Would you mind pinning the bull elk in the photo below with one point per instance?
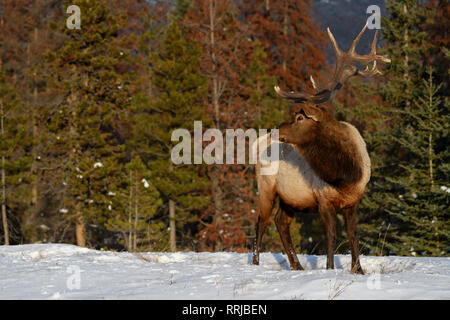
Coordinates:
(323, 163)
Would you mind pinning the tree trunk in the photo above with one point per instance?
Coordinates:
(406, 60)
(430, 159)
(172, 234)
(80, 229)
(215, 101)
(30, 217)
(130, 210)
(4, 217)
(135, 214)
(430, 135)
(34, 187)
(285, 32)
(79, 218)
(218, 220)
(215, 76)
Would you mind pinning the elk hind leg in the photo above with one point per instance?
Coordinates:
(328, 214)
(351, 219)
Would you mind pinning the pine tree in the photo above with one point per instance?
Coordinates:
(84, 132)
(411, 147)
(135, 200)
(175, 74)
(180, 10)
(25, 35)
(14, 160)
(420, 212)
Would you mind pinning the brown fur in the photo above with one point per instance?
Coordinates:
(332, 155)
(325, 143)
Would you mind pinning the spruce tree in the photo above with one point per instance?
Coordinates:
(420, 212)
(175, 75)
(135, 200)
(180, 10)
(416, 209)
(84, 131)
(24, 36)
(15, 161)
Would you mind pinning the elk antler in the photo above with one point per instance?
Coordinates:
(344, 69)
(318, 98)
(372, 56)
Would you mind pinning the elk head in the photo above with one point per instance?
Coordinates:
(344, 69)
(304, 125)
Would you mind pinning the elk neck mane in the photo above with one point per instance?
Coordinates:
(333, 154)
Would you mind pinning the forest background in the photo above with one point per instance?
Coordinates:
(87, 115)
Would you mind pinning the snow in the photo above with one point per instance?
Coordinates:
(145, 182)
(98, 165)
(62, 271)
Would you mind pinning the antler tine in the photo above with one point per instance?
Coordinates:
(373, 52)
(355, 42)
(370, 72)
(335, 45)
(313, 82)
(318, 98)
(295, 96)
(374, 43)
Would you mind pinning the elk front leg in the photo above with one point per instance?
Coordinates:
(351, 219)
(266, 206)
(260, 229)
(283, 220)
(328, 215)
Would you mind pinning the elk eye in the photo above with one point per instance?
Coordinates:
(305, 116)
(299, 117)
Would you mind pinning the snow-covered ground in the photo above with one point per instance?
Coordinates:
(60, 271)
